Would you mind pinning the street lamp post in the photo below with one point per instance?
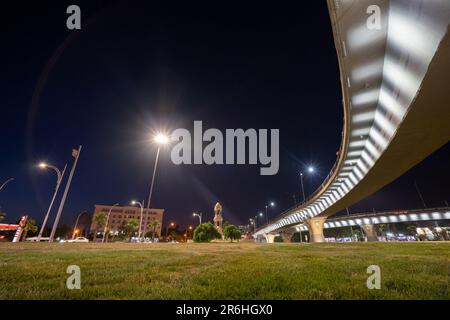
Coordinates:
(261, 215)
(190, 232)
(199, 215)
(60, 176)
(252, 221)
(272, 204)
(5, 183)
(141, 205)
(76, 154)
(160, 139)
(310, 170)
(301, 184)
(172, 224)
(107, 220)
(76, 223)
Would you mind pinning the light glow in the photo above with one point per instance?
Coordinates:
(161, 138)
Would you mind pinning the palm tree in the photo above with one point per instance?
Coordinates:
(29, 226)
(2, 216)
(153, 225)
(100, 220)
(131, 227)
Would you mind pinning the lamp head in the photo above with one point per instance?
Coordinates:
(42, 165)
(161, 138)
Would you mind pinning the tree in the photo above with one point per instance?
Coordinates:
(206, 232)
(2, 215)
(29, 226)
(232, 232)
(130, 227)
(153, 225)
(382, 228)
(411, 230)
(278, 239)
(100, 220)
(173, 235)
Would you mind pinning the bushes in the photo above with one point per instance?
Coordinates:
(232, 232)
(206, 232)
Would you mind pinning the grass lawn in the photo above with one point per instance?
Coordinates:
(225, 271)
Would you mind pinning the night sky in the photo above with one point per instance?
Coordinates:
(139, 67)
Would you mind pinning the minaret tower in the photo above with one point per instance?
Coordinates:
(218, 219)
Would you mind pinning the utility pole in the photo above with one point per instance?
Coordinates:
(76, 155)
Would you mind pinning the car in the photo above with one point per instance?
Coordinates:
(78, 239)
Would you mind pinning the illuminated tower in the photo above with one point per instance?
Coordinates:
(218, 219)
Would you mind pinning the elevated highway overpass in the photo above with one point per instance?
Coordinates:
(396, 101)
(367, 221)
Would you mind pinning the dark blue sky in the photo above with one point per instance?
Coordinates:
(137, 67)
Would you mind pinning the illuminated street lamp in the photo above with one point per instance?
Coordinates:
(310, 170)
(199, 215)
(160, 139)
(59, 177)
(253, 222)
(141, 205)
(107, 220)
(303, 188)
(75, 230)
(172, 224)
(271, 204)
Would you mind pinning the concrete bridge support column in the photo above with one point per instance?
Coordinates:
(369, 230)
(287, 236)
(269, 238)
(315, 227)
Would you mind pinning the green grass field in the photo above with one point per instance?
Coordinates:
(225, 271)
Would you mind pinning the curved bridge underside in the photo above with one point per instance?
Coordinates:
(396, 100)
